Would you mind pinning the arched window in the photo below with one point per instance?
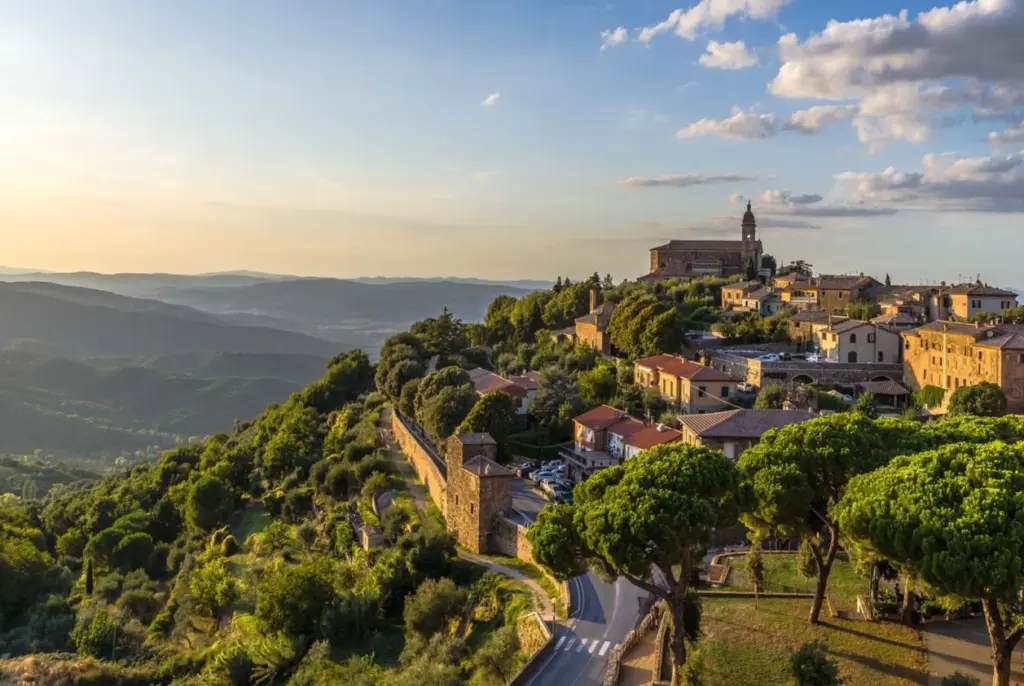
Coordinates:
(853, 338)
(852, 357)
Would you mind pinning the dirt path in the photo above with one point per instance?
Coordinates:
(638, 664)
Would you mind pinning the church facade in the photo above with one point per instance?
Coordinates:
(693, 259)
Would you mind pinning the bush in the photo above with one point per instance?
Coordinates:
(770, 397)
(960, 679)
(209, 503)
(139, 604)
(497, 660)
(99, 636)
(811, 666)
(393, 523)
(292, 598)
(229, 546)
(306, 532)
(375, 484)
(433, 606)
(983, 400)
(297, 504)
(339, 482)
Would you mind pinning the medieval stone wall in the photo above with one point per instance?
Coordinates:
(427, 468)
(797, 371)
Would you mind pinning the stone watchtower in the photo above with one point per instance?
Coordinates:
(478, 489)
(751, 246)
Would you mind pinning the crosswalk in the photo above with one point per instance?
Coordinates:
(571, 644)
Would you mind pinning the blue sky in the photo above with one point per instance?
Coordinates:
(351, 138)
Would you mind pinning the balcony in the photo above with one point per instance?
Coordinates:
(581, 464)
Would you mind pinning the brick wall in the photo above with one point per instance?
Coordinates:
(426, 467)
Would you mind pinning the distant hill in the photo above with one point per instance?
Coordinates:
(527, 284)
(80, 323)
(64, 406)
(300, 369)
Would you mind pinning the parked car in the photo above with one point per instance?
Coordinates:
(770, 357)
(746, 388)
(554, 464)
(524, 472)
(814, 357)
(542, 474)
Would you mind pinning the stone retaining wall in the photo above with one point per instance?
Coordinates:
(647, 624)
(510, 539)
(524, 675)
(426, 466)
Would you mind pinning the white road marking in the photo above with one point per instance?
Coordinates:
(605, 647)
(593, 647)
(582, 645)
(570, 644)
(560, 642)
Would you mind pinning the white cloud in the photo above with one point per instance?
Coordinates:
(740, 125)
(784, 203)
(816, 118)
(613, 37)
(736, 198)
(710, 14)
(491, 100)
(681, 180)
(1008, 138)
(993, 183)
(787, 198)
(728, 56)
(908, 74)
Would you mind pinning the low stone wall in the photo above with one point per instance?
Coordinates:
(510, 539)
(427, 468)
(532, 665)
(649, 622)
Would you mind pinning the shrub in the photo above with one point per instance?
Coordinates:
(209, 503)
(306, 533)
(139, 604)
(433, 606)
(297, 504)
(811, 666)
(96, 636)
(292, 598)
(755, 567)
(393, 522)
(960, 679)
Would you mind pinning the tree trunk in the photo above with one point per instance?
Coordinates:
(1001, 644)
(824, 569)
(876, 576)
(677, 641)
(907, 611)
(1001, 671)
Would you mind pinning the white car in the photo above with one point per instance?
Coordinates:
(771, 357)
(746, 388)
(815, 357)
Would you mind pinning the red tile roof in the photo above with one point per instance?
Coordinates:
(601, 417)
(627, 427)
(650, 436)
(527, 380)
(677, 366)
(491, 382)
(742, 423)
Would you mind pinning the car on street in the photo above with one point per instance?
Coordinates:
(814, 357)
(770, 357)
(542, 474)
(746, 388)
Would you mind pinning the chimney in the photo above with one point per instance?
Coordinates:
(593, 299)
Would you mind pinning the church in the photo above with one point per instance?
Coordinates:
(688, 260)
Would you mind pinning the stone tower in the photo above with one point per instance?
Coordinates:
(478, 489)
(751, 246)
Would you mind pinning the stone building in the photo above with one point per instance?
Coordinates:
(942, 302)
(592, 329)
(688, 386)
(733, 294)
(856, 341)
(954, 354)
(694, 259)
(829, 293)
(479, 490)
(606, 436)
(734, 431)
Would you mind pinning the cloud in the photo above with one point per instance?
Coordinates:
(727, 56)
(816, 118)
(710, 14)
(1008, 138)
(740, 125)
(681, 180)
(613, 37)
(909, 73)
(992, 183)
(783, 203)
(491, 100)
(736, 198)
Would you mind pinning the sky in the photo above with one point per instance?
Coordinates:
(510, 138)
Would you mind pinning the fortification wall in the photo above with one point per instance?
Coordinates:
(427, 468)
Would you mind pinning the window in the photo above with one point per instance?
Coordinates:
(853, 338)
(472, 508)
(703, 390)
(725, 391)
(871, 338)
(949, 381)
(881, 356)
(852, 357)
(979, 355)
(1020, 358)
(456, 500)
(924, 375)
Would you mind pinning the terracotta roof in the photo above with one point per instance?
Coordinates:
(701, 245)
(898, 319)
(743, 286)
(649, 436)
(1011, 338)
(478, 372)
(601, 417)
(848, 325)
(843, 282)
(883, 388)
(484, 467)
(809, 316)
(677, 366)
(602, 310)
(980, 289)
(742, 423)
(959, 328)
(527, 380)
(475, 439)
(626, 427)
(491, 382)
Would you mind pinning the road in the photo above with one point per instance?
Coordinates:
(603, 615)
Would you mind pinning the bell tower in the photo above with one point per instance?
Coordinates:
(749, 228)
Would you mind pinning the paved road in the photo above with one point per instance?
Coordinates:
(603, 615)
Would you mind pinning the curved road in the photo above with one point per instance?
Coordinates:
(603, 615)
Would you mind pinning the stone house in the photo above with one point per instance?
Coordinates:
(693, 259)
(836, 292)
(804, 325)
(479, 490)
(606, 436)
(764, 301)
(954, 354)
(734, 431)
(967, 300)
(944, 302)
(855, 341)
(896, 321)
(592, 328)
(687, 386)
(521, 388)
(734, 293)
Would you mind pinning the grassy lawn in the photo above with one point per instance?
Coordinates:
(781, 574)
(744, 645)
(533, 572)
(251, 520)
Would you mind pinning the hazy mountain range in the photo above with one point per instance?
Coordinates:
(99, 365)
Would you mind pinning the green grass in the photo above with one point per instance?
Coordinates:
(744, 645)
(844, 584)
(533, 572)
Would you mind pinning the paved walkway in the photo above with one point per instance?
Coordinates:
(962, 646)
(638, 664)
